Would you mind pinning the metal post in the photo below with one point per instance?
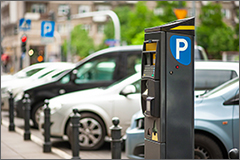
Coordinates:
(233, 153)
(75, 134)
(47, 123)
(26, 108)
(11, 126)
(116, 138)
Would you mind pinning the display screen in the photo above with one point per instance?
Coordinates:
(150, 57)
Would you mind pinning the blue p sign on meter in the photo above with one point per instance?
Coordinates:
(181, 49)
(47, 28)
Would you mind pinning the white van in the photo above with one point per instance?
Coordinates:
(210, 74)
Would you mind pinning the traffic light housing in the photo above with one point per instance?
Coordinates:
(24, 42)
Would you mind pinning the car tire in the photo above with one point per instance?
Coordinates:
(206, 148)
(36, 114)
(92, 132)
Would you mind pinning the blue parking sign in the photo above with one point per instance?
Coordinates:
(181, 49)
(47, 28)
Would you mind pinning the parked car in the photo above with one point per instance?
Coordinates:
(97, 107)
(210, 74)
(26, 72)
(216, 124)
(29, 78)
(100, 69)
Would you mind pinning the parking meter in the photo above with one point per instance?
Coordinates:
(167, 90)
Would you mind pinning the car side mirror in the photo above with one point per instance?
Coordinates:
(74, 75)
(129, 89)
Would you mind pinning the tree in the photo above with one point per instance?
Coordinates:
(81, 43)
(166, 9)
(133, 22)
(213, 34)
(139, 19)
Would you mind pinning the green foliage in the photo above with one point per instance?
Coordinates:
(138, 39)
(236, 40)
(168, 7)
(133, 22)
(139, 19)
(123, 15)
(211, 15)
(81, 43)
(213, 34)
(221, 40)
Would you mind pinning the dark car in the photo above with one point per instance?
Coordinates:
(99, 69)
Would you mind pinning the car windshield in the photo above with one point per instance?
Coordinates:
(222, 88)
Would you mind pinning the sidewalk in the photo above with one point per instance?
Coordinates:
(13, 146)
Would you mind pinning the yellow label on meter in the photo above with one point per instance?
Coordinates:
(154, 58)
(154, 136)
(151, 46)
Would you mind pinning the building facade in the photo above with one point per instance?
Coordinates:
(38, 11)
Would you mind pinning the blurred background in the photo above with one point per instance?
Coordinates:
(54, 31)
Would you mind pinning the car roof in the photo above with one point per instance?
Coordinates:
(112, 49)
(217, 65)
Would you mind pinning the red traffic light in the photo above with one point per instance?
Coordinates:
(24, 38)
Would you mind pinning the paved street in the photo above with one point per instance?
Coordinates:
(13, 145)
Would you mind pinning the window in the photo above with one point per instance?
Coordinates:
(158, 11)
(65, 79)
(226, 13)
(62, 28)
(209, 79)
(198, 55)
(100, 28)
(97, 70)
(45, 74)
(31, 72)
(84, 9)
(133, 64)
(63, 9)
(86, 27)
(54, 76)
(103, 8)
(38, 8)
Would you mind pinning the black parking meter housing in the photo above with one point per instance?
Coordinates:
(167, 90)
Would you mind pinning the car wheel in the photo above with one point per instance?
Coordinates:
(91, 132)
(36, 114)
(206, 148)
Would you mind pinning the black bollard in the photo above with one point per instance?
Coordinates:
(233, 153)
(116, 139)
(26, 108)
(75, 134)
(11, 126)
(47, 123)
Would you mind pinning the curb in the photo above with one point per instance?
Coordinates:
(38, 141)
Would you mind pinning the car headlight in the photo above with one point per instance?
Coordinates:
(19, 96)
